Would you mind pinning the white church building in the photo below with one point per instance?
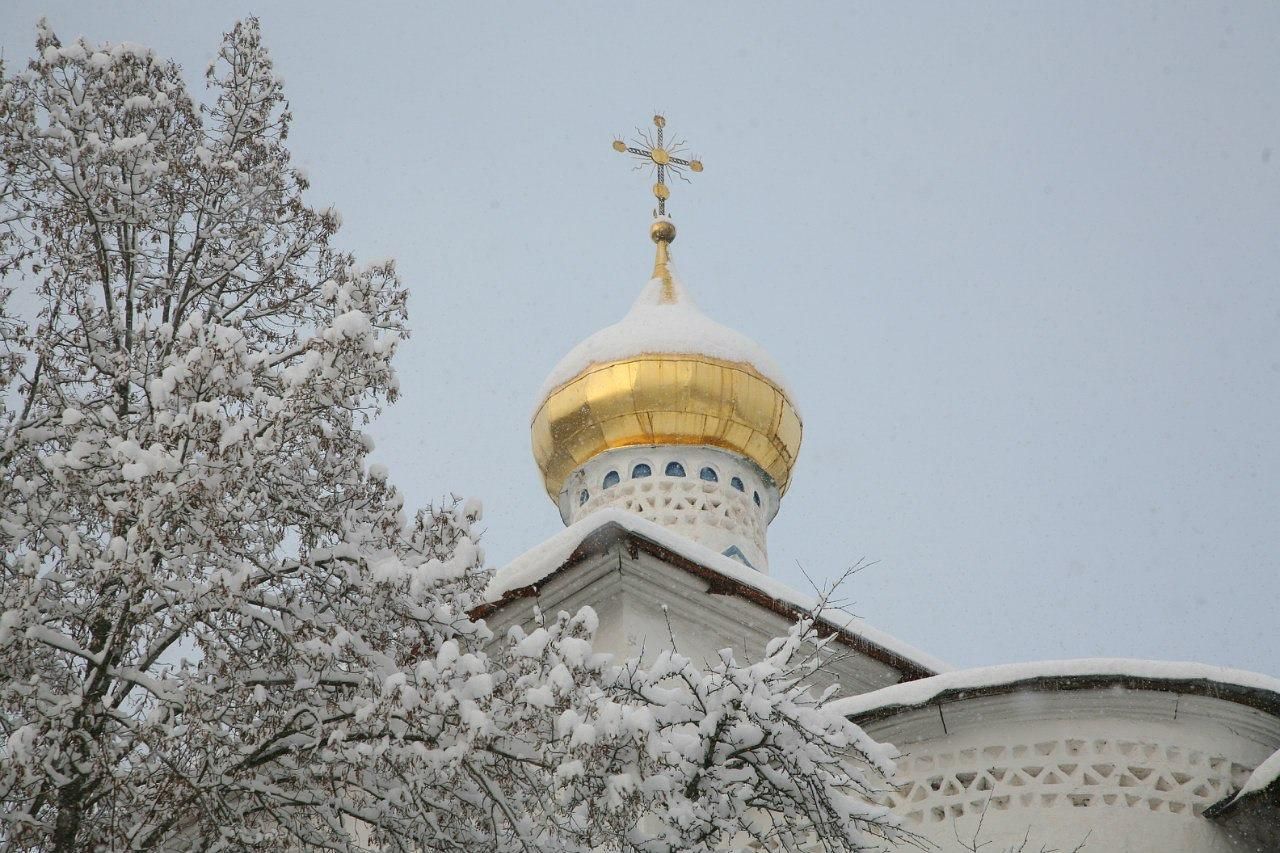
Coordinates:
(667, 441)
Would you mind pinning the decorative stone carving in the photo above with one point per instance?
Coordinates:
(1068, 773)
(714, 513)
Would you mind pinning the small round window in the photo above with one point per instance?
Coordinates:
(582, 497)
(708, 474)
(641, 470)
(736, 482)
(611, 479)
(675, 469)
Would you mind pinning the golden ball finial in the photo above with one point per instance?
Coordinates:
(662, 231)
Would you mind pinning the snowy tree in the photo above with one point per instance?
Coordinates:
(667, 756)
(217, 629)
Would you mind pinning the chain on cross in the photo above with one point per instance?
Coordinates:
(657, 155)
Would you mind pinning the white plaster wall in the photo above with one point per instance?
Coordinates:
(714, 514)
(1125, 771)
(642, 603)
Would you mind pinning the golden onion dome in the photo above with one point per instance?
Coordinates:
(665, 375)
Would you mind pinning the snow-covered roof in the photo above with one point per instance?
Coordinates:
(1266, 776)
(539, 563)
(655, 326)
(1056, 674)
(1264, 780)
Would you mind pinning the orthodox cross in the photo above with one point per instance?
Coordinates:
(657, 155)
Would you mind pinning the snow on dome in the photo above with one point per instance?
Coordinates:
(656, 325)
(664, 375)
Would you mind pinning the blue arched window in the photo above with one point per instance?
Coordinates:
(708, 474)
(755, 496)
(582, 497)
(641, 470)
(675, 469)
(611, 479)
(736, 482)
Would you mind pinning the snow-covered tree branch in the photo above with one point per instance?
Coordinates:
(665, 755)
(217, 629)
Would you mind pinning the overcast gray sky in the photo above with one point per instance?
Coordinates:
(1020, 263)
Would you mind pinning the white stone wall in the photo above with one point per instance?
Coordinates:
(1124, 771)
(642, 603)
(715, 514)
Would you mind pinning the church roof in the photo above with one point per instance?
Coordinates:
(665, 375)
(1264, 782)
(522, 577)
(663, 319)
(1247, 688)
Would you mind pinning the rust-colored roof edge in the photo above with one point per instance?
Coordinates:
(598, 541)
(1252, 697)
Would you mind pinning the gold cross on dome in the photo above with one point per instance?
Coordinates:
(657, 155)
